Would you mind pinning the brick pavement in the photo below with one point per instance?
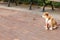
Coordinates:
(20, 25)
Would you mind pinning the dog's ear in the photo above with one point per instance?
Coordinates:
(46, 13)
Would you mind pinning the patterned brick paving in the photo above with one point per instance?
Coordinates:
(19, 25)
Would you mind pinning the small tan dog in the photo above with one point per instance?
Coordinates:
(50, 21)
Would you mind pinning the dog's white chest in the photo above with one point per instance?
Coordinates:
(48, 21)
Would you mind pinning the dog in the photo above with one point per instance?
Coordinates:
(50, 21)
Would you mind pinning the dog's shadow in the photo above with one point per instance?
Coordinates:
(58, 26)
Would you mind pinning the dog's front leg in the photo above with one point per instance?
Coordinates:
(46, 24)
(46, 27)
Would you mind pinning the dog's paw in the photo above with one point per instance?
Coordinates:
(50, 28)
(46, 28)
(55, 27)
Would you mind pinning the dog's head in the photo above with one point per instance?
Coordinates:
(45, 15)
